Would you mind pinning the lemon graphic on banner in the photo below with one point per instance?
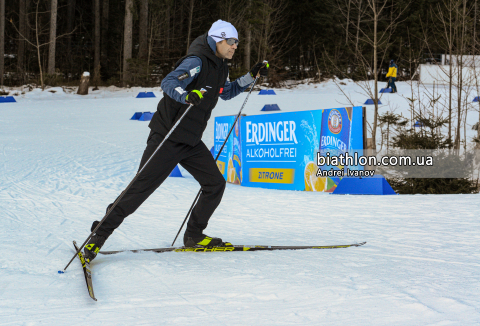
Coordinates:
(230, 171)
(312, 183)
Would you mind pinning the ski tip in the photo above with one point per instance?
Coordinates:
(61, 272)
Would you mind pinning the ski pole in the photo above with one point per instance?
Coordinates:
(216, 158)
(131, 182)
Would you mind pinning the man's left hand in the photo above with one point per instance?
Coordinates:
(260, 69)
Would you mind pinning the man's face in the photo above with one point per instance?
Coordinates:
(225, 51)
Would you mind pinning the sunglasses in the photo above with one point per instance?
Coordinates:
(230, 41)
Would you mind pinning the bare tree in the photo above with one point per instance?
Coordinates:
(374, 39)
(22, 25)
(53, 38)
(348, 20)
(168, 8)
(96, 57)
(447, 22)
(157, 34)
(70, 23)
(273, 16)
(39, 30)
(143, 30)
(476, 51)
(2, 40)
(127, 40)
(248, 38)
(190, 18)
(104, 43)
(454, 22)
(359, 16)
(461, 14)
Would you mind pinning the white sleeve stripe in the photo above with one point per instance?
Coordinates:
(245, 80)
(180, 90)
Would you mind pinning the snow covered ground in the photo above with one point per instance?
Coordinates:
(64, 158)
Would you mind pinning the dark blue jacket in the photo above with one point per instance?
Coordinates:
(193, 66)
(211, 75)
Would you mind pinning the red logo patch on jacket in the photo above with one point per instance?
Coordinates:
(221, 90)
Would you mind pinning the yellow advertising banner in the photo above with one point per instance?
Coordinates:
(271, 175)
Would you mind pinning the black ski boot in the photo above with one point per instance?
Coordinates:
(201, 240)
(94, 245)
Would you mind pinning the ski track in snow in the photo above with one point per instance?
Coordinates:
(64, 158)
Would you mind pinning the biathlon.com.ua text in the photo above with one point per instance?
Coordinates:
(360, 160)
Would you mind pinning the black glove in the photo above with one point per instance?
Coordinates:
(194, 97)
(262, 67)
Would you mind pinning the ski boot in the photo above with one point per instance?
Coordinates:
(94, 245)
(191, 240)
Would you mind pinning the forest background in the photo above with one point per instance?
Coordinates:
(129, 43)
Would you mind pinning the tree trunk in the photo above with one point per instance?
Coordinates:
(127, 40)
(84, 82)
(70, 23)
(460, 87)
(167, 27)
(143, 30)
(248, 39)
(96, 59)
(478, 131)
(28, 29)
(248, 48)
(104, 43)
(21, 41)
(38, 46)
(2, 40)
(348, 22)
(450, 82)
(190, 18)
(358, 26)
(53, 38)
(265, 37)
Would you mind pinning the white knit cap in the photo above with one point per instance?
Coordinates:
(222, 30)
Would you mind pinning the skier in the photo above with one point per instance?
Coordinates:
(204, 67)
(392, 75)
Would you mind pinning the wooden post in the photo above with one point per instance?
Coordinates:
(84, 82)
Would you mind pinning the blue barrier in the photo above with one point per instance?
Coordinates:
(386, 90)
(370, 102)
(7, 99)
(136, 116)
(146, 116)
(145, 95)
(376, 185)
(271, 107)
(267, 92)
(176, 173)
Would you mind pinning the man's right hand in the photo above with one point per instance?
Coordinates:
(194, 97)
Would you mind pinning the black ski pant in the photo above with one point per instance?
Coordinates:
(197, 160)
